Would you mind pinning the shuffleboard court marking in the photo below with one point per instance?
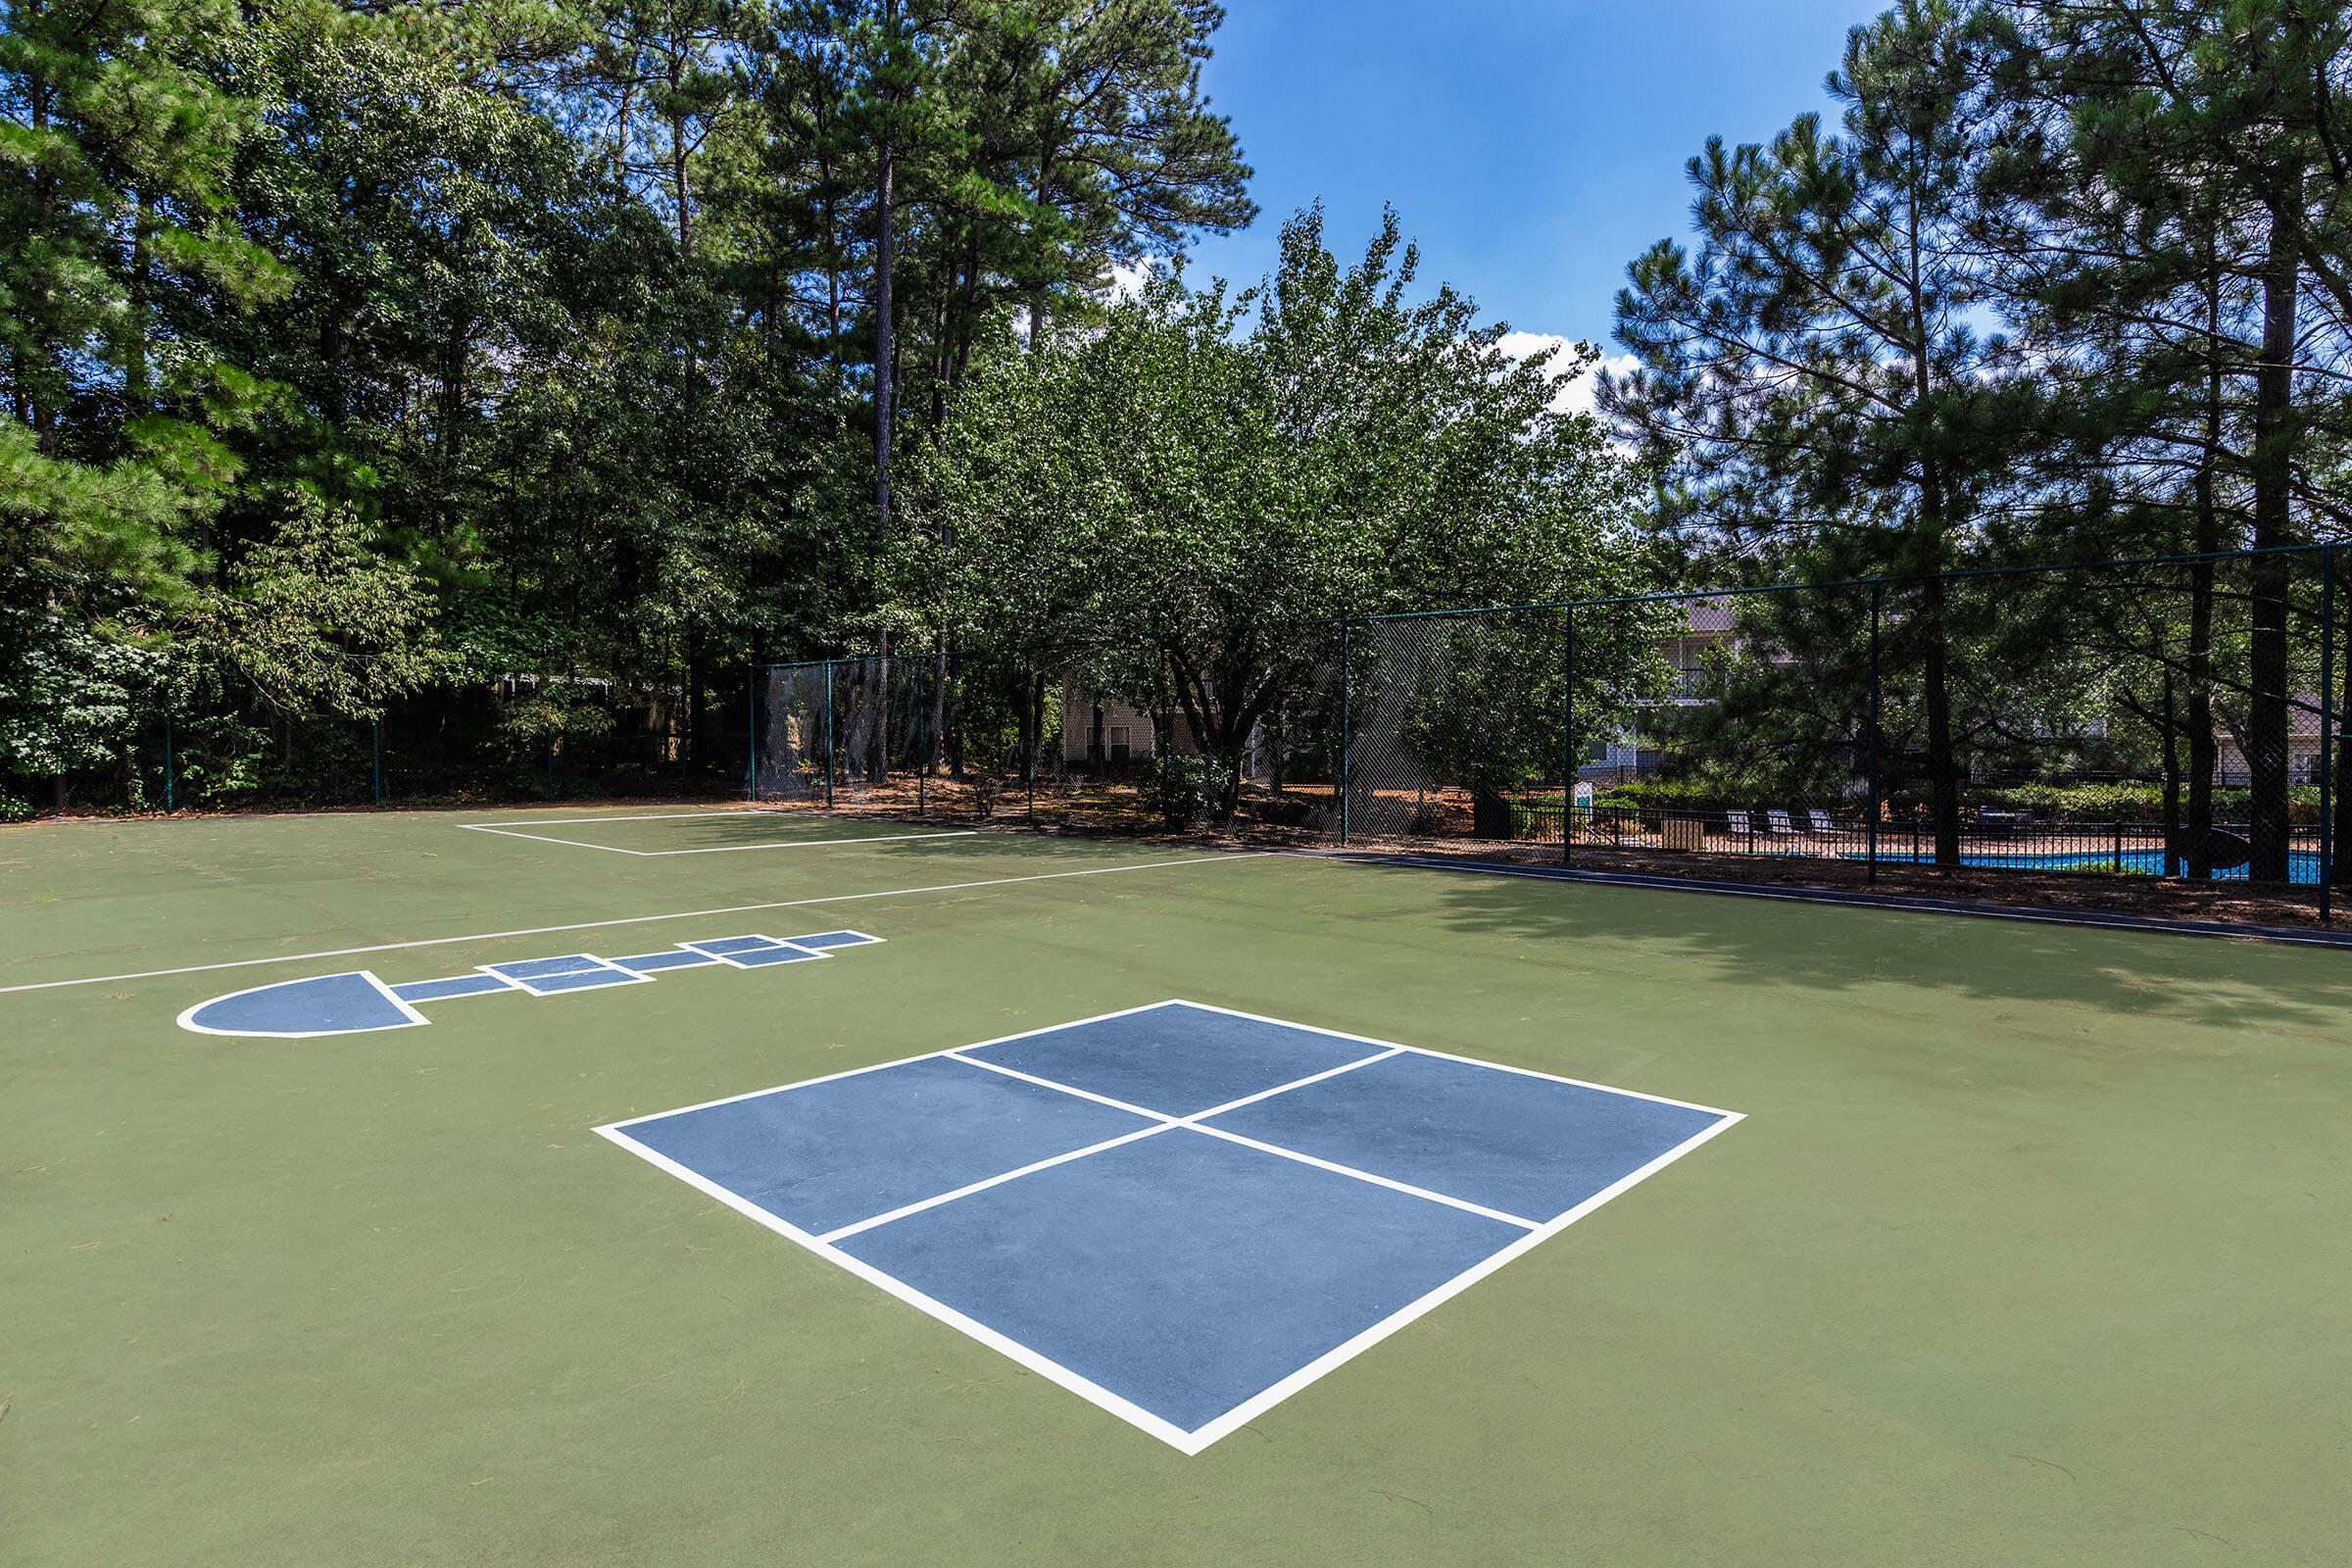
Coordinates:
(633, 919)
(400, 1004)
(713, 849)
(1187, 1441)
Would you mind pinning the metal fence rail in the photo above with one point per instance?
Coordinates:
(2165, 718)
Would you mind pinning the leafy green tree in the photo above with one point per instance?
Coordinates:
(319, 622)
(117, 253)
(1218, 481)
(1814, 383)
(2176, 228)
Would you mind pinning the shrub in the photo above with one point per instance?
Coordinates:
(1186, 790)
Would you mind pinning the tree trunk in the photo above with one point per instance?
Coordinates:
(697, 708)
(2171, 779)
(2273, 475)
(878, 717)
(884, 260)
(2204, 752)
(939, 706)
(1943, 769)
(2342, 839)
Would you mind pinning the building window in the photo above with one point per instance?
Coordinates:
(1119, 742)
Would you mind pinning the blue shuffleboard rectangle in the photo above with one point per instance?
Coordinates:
(656, 962)
(455, 985)
(732, 947)
(832, 939)
(763, 957)
(535, 968)
(548, 985)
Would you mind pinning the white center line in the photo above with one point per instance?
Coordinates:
(636, 919)
(719, 849)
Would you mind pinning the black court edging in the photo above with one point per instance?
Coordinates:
(1918, 903)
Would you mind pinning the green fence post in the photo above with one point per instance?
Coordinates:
(1878, 594)
(169, 768)
(1166, 741)
(2327, 738)
(1033, 729)
(1568, 739)
(1346, 738)
(924, 741)
(750, 729)
(376, 758)
(828, 734)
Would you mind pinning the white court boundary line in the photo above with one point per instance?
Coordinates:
(1193, 1442)
(633, 919)
(714, 849)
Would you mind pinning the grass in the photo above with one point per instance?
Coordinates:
(2029, 1250)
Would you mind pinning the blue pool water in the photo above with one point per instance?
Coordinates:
(2303, 865)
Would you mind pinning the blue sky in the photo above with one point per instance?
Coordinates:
(1533, 147)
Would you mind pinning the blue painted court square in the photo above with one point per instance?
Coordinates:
(1180, 1213)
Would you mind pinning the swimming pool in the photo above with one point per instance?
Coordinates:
(2303, 865)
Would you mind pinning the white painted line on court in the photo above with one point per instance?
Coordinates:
(635, 816)
(898, 1062)
(717, 848)
(1199, 1117)
(1393, 1185)
(1003, 1071)
(1474, 1061)
(918, 1206)
(1012, 1350)
(1234, 858)
(1251, 1409)
(819, 843)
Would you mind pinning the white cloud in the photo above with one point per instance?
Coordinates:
(1571, 392)
(1127, 279)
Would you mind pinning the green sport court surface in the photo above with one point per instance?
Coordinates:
(2029, 1249)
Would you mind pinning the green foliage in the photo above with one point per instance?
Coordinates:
(73, 681)
(565, 315)
(1186, 790)
(319, 622)
(1213, 481)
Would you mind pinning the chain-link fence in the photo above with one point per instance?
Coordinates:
(2175, 718)
(1109, 739)
(523, 737)
(2171, 720)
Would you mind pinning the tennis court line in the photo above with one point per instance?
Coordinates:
(717, 848)
(634, 919)
(637, 816)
